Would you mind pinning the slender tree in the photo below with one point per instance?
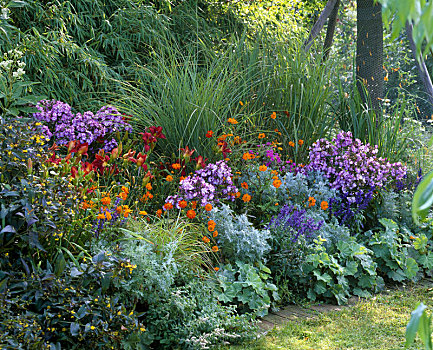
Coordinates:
(332, 21)
(369, 51)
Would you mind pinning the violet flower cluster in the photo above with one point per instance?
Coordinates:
(295, 221)
(62, 125)
(351, 165)
(207, 185)
(270, 157)
(346, 206)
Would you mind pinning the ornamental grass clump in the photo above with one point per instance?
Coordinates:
(351, 165)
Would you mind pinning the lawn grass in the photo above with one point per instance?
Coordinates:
(378, 323)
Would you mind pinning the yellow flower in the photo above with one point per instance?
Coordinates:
(143, 212)
(232, 121)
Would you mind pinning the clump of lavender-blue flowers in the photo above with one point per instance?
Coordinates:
(207, 185)
(295, 223)
(351, 165)
(62, 125)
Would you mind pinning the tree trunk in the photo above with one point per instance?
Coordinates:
(317, 27)
(420, 64)
(330, 30)
(369, 52)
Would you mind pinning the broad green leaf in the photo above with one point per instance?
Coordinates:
(411, 268)
(413, 325)
(423, 198)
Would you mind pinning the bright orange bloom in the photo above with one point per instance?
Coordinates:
(108, 215)
(216, 269)
(208, 207)
(273, 115)
(206, 239)
(168, 206)
(143, 212)
(126, 211)
(238, 194)
(324, 205)
(194, 204)
(169, 178)
(247, 156)
(246, 197)
(244, 185)
(215, 233)
(148, 186)
(214, 248)
(175, 166)
(149, 195)
(263, 167)
(301, 142)
(101, 216)
(292, 144)
(182, 178)
(241, 103)
(209, 134)
(232, 121)
(125, 189)
(123, 195)
(182, 204)
(106, 200)
(276, 183)
(311, 202)
(211, 225)
(190, 214)
(159, 213)
(262, 136)
(119, 209)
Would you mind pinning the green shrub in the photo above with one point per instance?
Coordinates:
(247, 286)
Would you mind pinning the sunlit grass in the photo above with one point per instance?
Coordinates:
(378, 323)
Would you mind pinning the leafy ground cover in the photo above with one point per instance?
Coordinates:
(376, 323)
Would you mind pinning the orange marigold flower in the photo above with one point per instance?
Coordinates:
(125, 189)
(241, 103)
(182, 178)
(149, 195)
(214, 248)
(108, 215)
(126, 212)
(209, 134)
(216, 269)
(208, 207)
(263, 167)
(168, 206)
(106, 200)
(175, 166)
(276, 183)
(232, 121)
(324, 205)
(211, 225)
(194, 204)
(215, 233)
(143, 212)
(291, 144)
(262, 136)
(159, 213)
(148, 186)
(206, 239)
(169, 178)
(123, 195)
(119, 209)
(238, 194)
(412, 237)
(190, 214)
(301, 142)
(182, 204)
(311, 202)
(101, 216)
(246, 197)
(244, 185)
(273, 115)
